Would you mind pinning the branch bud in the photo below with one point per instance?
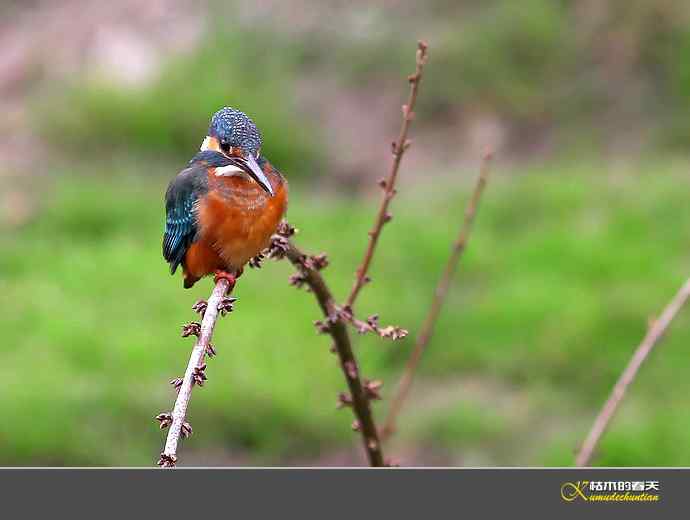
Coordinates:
(167, 461)
(297, 280)
(322, 327)
(200, 307)
(316, 262)
(191, 329)
(165, 420)
(199, 375)
(186, 429)
(344, 400)
(226, 305)
(372, 389)
(393, 332)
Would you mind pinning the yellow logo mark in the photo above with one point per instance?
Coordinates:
(610, 491)
(572, 490)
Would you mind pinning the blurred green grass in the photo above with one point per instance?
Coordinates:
(566, 265)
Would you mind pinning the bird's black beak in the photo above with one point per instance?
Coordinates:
(250, 166)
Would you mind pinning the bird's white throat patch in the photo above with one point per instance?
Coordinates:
(229, 171)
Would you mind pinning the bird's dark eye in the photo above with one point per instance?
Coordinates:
(225, 147)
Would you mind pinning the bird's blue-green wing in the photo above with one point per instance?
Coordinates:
(181, 203)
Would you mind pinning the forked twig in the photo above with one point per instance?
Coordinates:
(218, 303)
(654, 334)
(338, 317)
(440, 293)
(360, 392)
(388, 185)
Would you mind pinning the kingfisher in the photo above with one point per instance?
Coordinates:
(222, 209)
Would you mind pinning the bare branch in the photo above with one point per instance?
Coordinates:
(218, 304)
(360, 393)
(654, 334)
(439, 297)
(399, 147)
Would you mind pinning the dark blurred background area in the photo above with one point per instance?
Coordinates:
(581, 238)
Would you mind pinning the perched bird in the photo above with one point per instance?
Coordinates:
(224, 206)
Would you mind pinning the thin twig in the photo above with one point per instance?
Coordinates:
(360, 393)
(398, 147)
(218, 303)
(371, 324)
(656, 331)
(440, 293)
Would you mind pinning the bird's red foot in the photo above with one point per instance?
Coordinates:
(224, 275)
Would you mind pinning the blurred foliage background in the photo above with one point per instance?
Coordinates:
(582, 235)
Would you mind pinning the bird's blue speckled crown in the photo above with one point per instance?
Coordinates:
(234, 128)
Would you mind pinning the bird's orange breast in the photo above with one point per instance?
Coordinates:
(236, 220)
